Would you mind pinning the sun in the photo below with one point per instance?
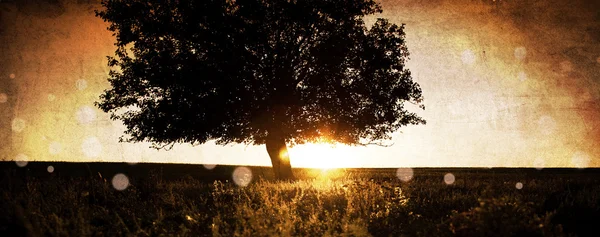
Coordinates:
(323, 156)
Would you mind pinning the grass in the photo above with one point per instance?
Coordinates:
(361, 203)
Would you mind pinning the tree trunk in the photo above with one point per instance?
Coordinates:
(280, 158)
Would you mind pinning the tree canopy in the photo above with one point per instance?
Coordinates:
(239, 71)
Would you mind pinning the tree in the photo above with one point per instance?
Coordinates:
(272, 72)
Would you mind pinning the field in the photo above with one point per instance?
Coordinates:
(79, 199)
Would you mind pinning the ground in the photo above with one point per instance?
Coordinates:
(78, 199)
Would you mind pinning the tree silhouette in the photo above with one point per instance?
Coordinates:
(271, 72)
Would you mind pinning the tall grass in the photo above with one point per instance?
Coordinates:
(475, 205)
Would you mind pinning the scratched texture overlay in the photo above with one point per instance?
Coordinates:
(506, 83)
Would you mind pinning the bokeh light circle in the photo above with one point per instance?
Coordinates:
(81, 84)
(242, 176)
(12, 76)
(539, 164)
(468, 57)
(404, 174)
(21, 160)
(520, 53)
(449, 178)
(91, 147)
(18, 125)
(50, 169)
(546, 125)
(54, 148)
(522, 76)
(3, 98)
(120, 182)
(209, 166)
(519, 185)
(86, 115)
(580, 160)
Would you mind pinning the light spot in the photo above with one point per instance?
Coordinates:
(3, 98)
(598, 60)
(18, 125)
(522, 76)
(21, 160)
(546, 125)
(91, 147)
(209, 166)
(449, 178)
(539, 163)
(404, 174)
(519, 185)
(520, 53)
(54, 148)
(12, 76)
(468, 57)
(51, 97)
(284, 154)
(580, 160)
(120, 182)
(86, 115)
(50, 169)
(566, 66)
(81, 84)
(242, 176)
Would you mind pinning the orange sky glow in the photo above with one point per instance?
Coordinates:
(505, 85)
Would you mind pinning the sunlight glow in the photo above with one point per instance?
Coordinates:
(330, 173)
(323, 156)
(284, 154)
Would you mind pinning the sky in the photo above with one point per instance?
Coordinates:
(506, 84)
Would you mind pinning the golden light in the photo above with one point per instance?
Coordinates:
(323, 156)
(284, 154)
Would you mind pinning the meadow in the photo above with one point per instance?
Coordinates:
(78, 199)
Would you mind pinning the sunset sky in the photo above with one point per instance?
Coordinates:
(506, 84)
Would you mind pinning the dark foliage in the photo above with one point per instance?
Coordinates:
(237, 71)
